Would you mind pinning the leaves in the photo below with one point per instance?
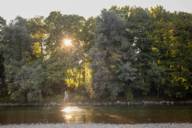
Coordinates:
(124, 53)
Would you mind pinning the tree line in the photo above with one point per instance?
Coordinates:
(125, 53)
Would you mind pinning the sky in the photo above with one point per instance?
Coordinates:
(9, 9)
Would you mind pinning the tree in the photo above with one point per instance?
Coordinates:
(3, 88)
(17, 53)
(112, 56)
(38, 32)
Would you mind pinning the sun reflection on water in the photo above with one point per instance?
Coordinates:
(71, 109)
(73, 114)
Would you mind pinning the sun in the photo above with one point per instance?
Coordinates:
(67, 42)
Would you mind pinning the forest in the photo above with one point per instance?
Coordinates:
(125, 53)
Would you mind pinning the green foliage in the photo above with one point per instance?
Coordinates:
(28, 83)
(3, 87)
(151, 40)
(124, 53)
(112, 62)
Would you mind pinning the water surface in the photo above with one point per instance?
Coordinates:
(99, 114)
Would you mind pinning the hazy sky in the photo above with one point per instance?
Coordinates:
(9, 9)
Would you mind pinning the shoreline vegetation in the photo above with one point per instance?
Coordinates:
(125, 53)
(104, 103)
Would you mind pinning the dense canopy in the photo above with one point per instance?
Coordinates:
(125, 53)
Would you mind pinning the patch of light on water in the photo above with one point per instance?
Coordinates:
(68, 117)
(70, 109)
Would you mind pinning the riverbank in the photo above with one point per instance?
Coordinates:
(155, 125)
(105, 103)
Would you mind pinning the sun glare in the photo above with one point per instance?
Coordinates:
(67, 42)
